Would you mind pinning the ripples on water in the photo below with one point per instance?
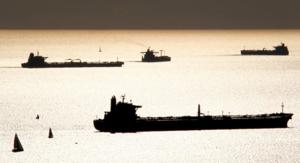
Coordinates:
(206, 68)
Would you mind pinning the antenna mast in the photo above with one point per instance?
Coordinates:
(199, 110)
(161, 52)
(123, 98)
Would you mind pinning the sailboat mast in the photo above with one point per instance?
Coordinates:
(99, 52)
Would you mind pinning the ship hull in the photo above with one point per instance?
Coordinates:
(262, 52)
(72, 65)
(157, 59)
(279, 120)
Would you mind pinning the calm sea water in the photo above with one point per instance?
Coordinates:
(206, 69)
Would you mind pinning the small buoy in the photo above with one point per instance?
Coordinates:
(50, 134)
(37, 116)
(17, 145)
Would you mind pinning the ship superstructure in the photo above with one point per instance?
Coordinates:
(150, 56)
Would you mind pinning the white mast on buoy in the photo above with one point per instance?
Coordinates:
(100, 50)
(17, 145)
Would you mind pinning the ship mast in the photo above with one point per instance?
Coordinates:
(199, 110)
(282, 107)
(123, 98)
(161, 52)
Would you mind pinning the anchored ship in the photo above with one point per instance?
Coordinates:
(149, 56)
(37, 61)
(278, 50)
(122, 117)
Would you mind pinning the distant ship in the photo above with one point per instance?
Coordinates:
(37, 61)
(149, 56)
(122, 117)
(278, 50)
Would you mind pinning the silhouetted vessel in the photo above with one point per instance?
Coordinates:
(149, 56)
(123, 118)
(50, 135)
(17, 145)
(39, 62)
(278, 50)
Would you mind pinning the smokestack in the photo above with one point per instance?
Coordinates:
(113, 103)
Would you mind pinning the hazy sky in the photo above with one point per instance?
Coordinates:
(150, 14)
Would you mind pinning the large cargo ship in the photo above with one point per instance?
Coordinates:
(37, 61)
(278, 50)
(149, 56)
(122, 117)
